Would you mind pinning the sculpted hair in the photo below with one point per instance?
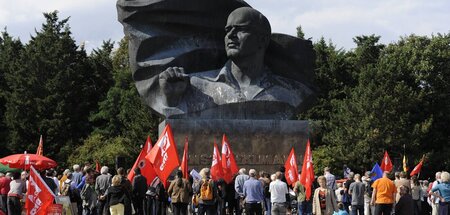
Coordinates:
(258, 20)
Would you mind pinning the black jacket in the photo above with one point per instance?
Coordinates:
(139, 186)
(115, 195)
(405, 205)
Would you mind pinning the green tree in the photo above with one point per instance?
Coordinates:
(300, 33)
(392, 104)
(9, 49)
(52, 92)
(122, 115)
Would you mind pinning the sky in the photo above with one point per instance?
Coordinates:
(339, 21)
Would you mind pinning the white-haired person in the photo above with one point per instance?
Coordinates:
(278, 191)
(102, 183)
(77, 174)
(239, 188)
(442, 191)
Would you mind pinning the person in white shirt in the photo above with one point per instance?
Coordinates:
(339, 191)
(278, 190)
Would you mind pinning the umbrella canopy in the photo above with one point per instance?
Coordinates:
(6, 168)
(24, 161)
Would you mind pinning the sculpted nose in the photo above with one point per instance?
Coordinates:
(231, 33)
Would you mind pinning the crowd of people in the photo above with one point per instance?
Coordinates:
(98, 193)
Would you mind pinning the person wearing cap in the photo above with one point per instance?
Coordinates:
(253, 194)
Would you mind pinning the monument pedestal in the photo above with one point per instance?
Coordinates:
(259, 144)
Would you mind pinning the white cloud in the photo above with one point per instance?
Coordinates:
(339, 20)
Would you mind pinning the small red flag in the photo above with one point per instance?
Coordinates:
(291, 173)
(164, 155)
(386, 164)
(98, 167)
(229, 165)
(39, 196)
(307, 176)
(40, 149)
(184, 161)
(417, 169)
(216, 165)
(146, 167)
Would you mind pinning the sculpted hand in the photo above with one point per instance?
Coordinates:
(173, 82)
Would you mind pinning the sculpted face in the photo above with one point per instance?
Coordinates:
(246, 34)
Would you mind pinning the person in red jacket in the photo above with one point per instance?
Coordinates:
(4, 189)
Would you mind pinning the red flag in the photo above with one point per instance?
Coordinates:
(216, 165)
(146, 167)
(386, 164)
(184, 161)
(164, 155)
(40, 149)
(417, 169)
(291, 173)
(98, 167)
(307, 176)
(39, 195)
(229, 166)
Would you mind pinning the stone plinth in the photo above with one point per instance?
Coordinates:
(259, 144)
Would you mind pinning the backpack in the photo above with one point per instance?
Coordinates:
(206, 190)
(369, 188)
(266, 190)
(67, 191)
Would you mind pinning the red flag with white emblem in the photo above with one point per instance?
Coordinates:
(146, 167)
(216, 165)
(291, 173)
(418, 167)
(229, 165)
(307, 176)
(386, 164)
(164, 155)
(39, 196)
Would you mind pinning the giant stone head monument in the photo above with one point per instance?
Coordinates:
(214, 67)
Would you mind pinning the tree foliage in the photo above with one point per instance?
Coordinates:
(372, 98)
(389, 101)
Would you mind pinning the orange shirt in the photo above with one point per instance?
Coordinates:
(385, 191)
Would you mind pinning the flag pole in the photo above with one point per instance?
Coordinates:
(423, 158)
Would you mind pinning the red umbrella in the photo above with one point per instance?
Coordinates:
(24, 161)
